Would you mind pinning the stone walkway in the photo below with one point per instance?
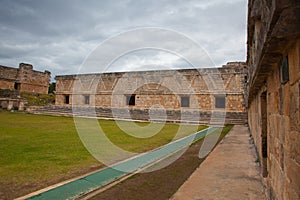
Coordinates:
(229, 172)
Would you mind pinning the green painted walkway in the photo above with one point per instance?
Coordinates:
(94, 181)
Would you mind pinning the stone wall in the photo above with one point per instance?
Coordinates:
(155, 90)
(7, 84)
(273, 93)
(24, 79)
(12, 104)
(8, 77)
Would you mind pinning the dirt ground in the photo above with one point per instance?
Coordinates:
(13, 190)
(160, 184)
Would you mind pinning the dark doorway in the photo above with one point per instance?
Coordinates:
(17, 86)
(220, 102)
(86, 99)
(264, 131)
(130, 100)
(67, 99)
(185, 101)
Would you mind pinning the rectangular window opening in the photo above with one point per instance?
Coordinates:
(264, 133)
(220, 101)
(17, 86)
(67, 99)
(284, 70)
(130, 100)
(185, 101)
(86, 99)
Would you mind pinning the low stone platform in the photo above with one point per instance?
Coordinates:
(229, 172)
(172, 116)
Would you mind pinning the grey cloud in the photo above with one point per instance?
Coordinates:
(58, 35)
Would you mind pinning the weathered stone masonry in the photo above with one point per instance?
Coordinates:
(219, 90)
(272, 93)
(24, 79)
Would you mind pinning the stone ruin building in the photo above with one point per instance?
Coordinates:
(190, 95)
(270, 87)
(265, 91)
(22, 79)
(273, 93)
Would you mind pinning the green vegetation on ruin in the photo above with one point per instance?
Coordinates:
(31, 99)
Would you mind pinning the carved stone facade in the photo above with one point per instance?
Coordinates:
(205, 90)
(24, 79)
(273, 93)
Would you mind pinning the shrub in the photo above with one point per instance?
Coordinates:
(38, 99)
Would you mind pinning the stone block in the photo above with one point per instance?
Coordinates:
(293, 174)
(294, 62)
(295, 107)
(10, 105)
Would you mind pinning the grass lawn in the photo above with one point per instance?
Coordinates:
(39, 150)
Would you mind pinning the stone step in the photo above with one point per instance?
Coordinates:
(137, 114)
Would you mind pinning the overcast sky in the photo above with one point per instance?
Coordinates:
(58, 35)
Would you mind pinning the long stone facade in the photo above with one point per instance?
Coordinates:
(24, 79)
(199, 93)
(273, 93)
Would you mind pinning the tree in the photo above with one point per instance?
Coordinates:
(51, 89)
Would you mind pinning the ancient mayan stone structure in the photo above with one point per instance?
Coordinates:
(273, 93)
(24, 79)
(219, 90)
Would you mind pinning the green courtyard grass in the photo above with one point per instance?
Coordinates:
(39, 150)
